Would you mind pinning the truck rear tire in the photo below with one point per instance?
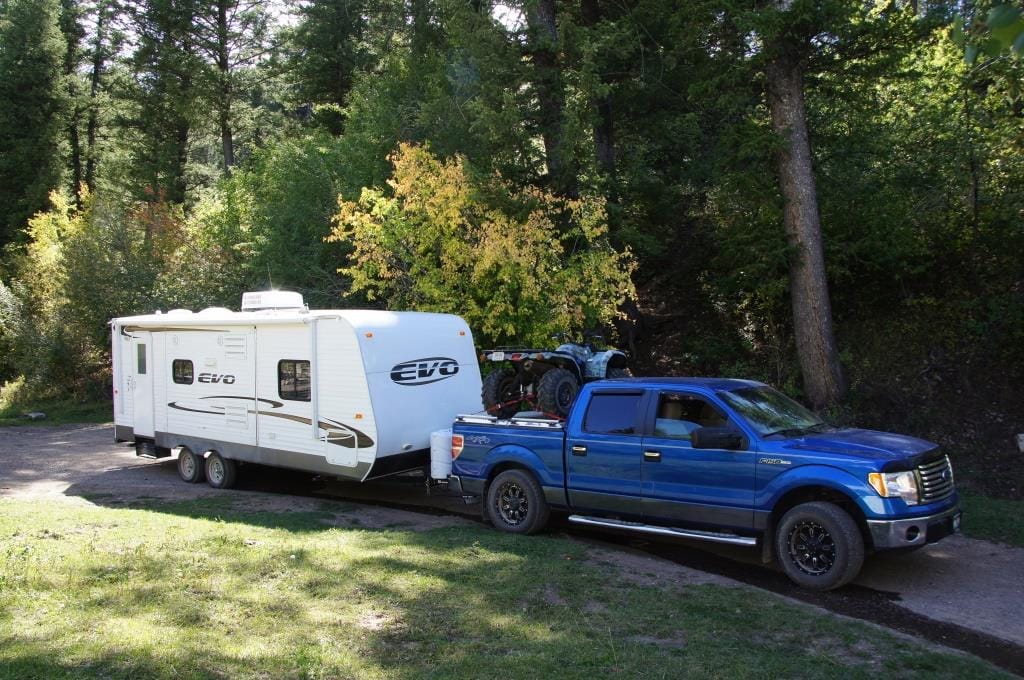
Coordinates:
(221, 472)
(190, 466)
(819, 546)
(499, 388)
(515, 503)
(556, 391)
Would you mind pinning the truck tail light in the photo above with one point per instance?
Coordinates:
(458, 441)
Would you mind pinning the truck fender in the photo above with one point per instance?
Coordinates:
(514, 456)
(836, 479)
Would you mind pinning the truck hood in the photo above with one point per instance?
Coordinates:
(863, 444)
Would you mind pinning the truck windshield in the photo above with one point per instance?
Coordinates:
(771, 412)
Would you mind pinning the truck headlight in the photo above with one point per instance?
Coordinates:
(896, 485)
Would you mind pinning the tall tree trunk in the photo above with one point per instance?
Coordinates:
(543, 29)
(812, 312)
(72, 31)
(224, 73)
(92, 125)
(604, 126)
(76, 153)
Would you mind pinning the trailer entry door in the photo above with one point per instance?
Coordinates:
(142, 383)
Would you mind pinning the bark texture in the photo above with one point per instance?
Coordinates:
(808, 284)
(543, 28)
(224, 72)
(604, 125)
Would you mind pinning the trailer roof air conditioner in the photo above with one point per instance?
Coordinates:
(271, 299)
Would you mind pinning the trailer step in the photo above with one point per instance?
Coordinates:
(711, 536)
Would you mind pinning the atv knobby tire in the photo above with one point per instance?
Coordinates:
(500, 387)
(556, 391)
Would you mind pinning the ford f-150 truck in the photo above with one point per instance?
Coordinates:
(728, 461)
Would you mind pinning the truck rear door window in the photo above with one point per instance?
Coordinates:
(293, 379)
(612, 413)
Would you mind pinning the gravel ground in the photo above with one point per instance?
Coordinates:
(974, 584)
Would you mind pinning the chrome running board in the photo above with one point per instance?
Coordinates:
(711, 536)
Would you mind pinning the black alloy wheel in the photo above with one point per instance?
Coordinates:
(516, 503)
(513, 505)
(812, 548)
(819, 545)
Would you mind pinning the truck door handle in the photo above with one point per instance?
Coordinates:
(579, 450)
(653, 456)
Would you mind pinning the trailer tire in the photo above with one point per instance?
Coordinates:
(819, 546)
(515, 503)
(556, 392)
(221, 472)
(499, 387)
(190, 466)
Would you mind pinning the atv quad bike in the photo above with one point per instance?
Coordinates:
(547, 379)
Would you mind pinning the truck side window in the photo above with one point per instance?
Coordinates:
(182, 371)
(612, 414)
(680, 414)
(293, 379)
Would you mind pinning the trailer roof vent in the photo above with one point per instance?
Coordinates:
(271, 299)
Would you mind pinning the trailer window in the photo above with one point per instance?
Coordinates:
(141, 354)
(181, 371)
(293, 379)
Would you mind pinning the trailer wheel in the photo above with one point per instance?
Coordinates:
(515, 503)
(221, 472)
(190, 466)
(556, 391)
(819, 546)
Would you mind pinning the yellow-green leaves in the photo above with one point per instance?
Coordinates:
(518, 264)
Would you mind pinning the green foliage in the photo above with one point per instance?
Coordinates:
(517, 264)
(270, 218)
(32, 109)
(999, 31)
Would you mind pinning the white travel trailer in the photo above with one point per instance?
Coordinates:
(350, 393)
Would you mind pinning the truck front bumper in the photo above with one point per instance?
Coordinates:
(916, 531)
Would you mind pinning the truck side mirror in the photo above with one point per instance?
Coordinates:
(715, 438)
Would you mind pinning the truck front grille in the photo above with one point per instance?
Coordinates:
(935, 479)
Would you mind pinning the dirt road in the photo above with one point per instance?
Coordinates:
(967, 587)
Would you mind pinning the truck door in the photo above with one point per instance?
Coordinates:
(684, 485)
(141, 361)
(603, 454)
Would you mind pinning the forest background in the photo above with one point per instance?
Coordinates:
(822, 194)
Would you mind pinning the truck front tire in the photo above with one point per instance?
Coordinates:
(190, 466)
(515, 503)
(819, 546)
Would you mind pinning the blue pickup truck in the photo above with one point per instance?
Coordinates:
(728, 461)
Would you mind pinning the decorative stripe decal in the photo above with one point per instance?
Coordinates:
(349, 438)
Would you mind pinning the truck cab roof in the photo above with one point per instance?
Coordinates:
(714, 384)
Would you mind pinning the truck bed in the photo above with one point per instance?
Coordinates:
(536, 443)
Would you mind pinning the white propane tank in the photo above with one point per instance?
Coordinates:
(441, 453)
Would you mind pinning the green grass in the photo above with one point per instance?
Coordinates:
(994, 519)
(204, 589)
(58, 411)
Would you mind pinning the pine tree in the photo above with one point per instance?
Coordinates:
(32, 110)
